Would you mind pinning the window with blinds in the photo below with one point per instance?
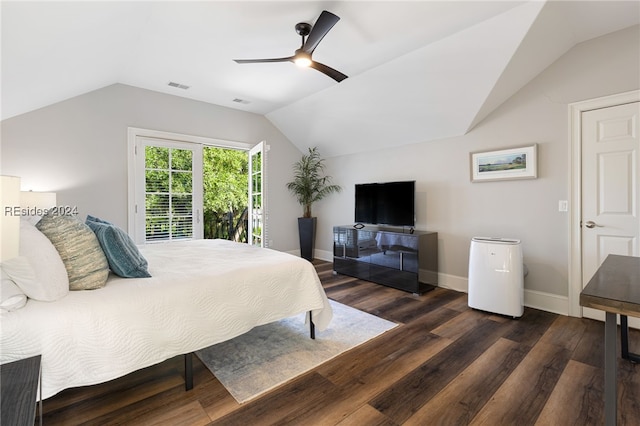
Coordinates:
(168, 193)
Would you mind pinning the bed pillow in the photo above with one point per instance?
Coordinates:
(122, 253)
(51, 280)
(79, 249)
(11, 297)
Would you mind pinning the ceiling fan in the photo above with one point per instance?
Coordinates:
(302, 56)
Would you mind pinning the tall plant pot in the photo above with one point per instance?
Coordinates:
(307, 233)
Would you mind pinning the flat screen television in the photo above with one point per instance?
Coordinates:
(387, 203)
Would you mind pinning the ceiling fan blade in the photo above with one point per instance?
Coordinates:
(325, 22)
(257, 61)
(334, 74)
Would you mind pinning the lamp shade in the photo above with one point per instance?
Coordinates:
(9, 217)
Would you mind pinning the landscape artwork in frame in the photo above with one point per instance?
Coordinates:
(504, 164)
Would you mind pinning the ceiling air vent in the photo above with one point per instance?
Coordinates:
(178, 85)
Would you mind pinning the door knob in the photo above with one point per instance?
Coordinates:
(591, 224)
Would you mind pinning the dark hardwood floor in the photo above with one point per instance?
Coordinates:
(445, 364)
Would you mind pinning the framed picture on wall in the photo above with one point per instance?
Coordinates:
(505, 164)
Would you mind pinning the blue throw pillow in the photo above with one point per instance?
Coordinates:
(122, 254)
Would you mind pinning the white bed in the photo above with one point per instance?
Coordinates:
(201, 292)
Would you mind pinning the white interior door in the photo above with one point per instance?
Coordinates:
(610, 189)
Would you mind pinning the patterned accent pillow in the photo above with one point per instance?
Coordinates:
(79, 249)
(122, 253)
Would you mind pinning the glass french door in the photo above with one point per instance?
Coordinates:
(257, 234)
(170, 198)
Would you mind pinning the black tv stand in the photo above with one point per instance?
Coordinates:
(403, 259)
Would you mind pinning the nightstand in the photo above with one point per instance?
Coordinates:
(19, 391)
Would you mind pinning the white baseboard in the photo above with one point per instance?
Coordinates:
(546, 301)
(325, 255)
(532, 298)
(452, 282)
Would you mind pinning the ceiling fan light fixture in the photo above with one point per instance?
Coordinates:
(302, 59)
(311, 36)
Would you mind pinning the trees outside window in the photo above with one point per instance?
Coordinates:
(225, 184)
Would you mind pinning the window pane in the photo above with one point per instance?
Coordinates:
(257, 163)
(256, 202)
(156, 228)
(181, 205)
(256, 182)
(156, 181)
(181, 182)
(181, 159)
(156, 157)
(157, 205)
(182, 227)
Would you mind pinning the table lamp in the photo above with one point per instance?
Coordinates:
(9, 217)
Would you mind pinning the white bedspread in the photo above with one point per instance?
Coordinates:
(201, 292)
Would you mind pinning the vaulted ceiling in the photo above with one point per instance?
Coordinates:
(418, 70)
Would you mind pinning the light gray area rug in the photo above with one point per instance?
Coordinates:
(272, 354)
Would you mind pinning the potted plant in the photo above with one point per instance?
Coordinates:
(309, 185)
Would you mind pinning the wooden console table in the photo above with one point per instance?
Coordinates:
(615, 289)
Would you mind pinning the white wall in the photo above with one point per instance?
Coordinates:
(78, 148)
(447, 202)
